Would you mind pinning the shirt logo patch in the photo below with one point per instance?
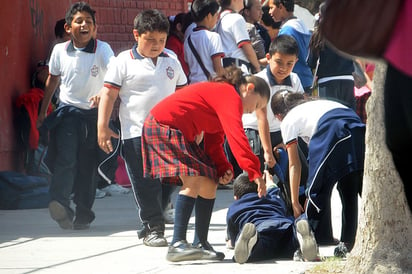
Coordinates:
(94, 71)
(170, 73)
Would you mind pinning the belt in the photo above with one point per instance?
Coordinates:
(228, 61)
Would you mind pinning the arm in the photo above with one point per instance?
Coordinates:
(108, 96)
(251, 56)
(295, 169)
(217, 65)
(51, 85)
(263, 127)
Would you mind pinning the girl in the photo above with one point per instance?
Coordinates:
(206, 111)
(336, 143)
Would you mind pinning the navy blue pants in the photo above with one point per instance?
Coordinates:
(147, 192)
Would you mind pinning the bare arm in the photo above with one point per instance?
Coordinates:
(52, 83)
(217, 66)
(251, 56)
(108, 97)
(264, 134)
(295, 171)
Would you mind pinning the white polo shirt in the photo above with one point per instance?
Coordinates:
(81, 71)
(142, 85)
(208, 45)
(291, 83)
(233, 32)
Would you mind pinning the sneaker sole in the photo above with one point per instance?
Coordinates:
(59, 214)
(306, 240)
(245, 243)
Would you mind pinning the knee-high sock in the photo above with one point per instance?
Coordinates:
(183, 210)
(203, 211)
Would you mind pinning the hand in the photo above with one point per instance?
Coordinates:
(261, 187)
(297, 209)
(269, 159)
(226, 178)
(94, 101)
(104, 139)
(40, 119)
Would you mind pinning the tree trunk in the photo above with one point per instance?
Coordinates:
(384, 237)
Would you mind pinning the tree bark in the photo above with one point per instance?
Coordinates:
(384, 237)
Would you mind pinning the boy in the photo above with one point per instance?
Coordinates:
(203, 48)
(261, 127)
(79, 66)
(261, 228)
(141, 77)
(235, 38)
(283, 10)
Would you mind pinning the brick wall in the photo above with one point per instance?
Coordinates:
(115, 18)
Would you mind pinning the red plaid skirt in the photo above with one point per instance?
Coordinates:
(167, 154)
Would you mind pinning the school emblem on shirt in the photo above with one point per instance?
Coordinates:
(170, 72)
(94, 71)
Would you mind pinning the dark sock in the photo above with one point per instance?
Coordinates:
(203, 213)
(183, 210)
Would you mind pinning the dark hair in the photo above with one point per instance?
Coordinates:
(288, 4)
(283, 101)
(234, 75)
(151, 20)
(317, 43)
(225, 3)
(248, 4)
(267, 19)
(59, 30)
(79, 7)
(242, 185)
(201, 8)
(284, 44)
(178, 19)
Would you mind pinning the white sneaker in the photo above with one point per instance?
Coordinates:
(307, 241)
(100, 194)
(245, 243)
(115, 189)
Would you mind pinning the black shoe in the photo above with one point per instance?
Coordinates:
(155, 238)
(326, 242)
(183, 251)
(341, 250)
(61, 215)
(83, 222)
(208, 252)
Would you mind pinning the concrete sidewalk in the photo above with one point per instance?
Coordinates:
(31, 242)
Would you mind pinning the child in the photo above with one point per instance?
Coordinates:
(175, 39)
(283, 10)
(79, 66)
(170, 139)
(235, 38)
(141, 77)
(336, 139)
(203, 48)
(261, 228)
(261, 127)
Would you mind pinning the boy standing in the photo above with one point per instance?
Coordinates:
(260, 229)
(141, 77)
(283, 10)
(203, 48)
(79, 66)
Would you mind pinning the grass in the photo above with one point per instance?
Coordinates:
(329, 265)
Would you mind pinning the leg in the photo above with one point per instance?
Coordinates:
(398, 124)
(147, 193)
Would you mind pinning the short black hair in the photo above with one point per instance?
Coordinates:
(201, 8)
(288, 4)
(79, 7)
(151, 20)
(59, 30)
(242, 185)
(284, 44)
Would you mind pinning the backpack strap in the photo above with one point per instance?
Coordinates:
(205, 71)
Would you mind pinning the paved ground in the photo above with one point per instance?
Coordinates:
(31, 242)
